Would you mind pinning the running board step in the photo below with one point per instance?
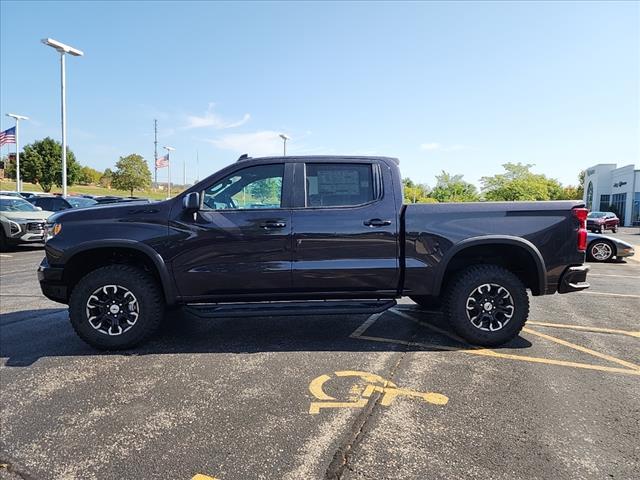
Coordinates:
(267, 309)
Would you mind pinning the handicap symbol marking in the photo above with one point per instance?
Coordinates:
(359, 395)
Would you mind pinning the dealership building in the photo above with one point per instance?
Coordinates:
(606, 185)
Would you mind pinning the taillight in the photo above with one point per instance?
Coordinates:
(581, 215)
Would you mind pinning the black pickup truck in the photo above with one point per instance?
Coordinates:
(307, 235)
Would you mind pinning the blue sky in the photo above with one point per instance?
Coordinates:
(462, 87)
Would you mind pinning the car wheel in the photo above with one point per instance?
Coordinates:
(427, 301)
(601, 251)
(116, 307)
(487, 305)
(4, 243)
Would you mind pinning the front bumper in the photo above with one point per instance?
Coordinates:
(51, 282)
(25, 231)
(573, 279)
(625, 252)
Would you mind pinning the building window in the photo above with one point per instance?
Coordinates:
(635, 212)
(590, 196)
(604, 202)
(618, 202)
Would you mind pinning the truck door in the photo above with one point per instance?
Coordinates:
(345, 229)
(239, 242)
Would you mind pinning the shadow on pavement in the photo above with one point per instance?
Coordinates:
(27, 336)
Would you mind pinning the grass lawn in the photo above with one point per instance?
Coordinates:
(88, 190)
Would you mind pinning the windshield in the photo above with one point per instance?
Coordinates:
(16, 205)
(79, 202)
(597, 215)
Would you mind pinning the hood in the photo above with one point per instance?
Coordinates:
(39, 215)
(110, 210)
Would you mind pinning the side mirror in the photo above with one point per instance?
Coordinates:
(39, 208)
(191, 201)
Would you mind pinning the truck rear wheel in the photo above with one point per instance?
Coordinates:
(116, 307)
(487, 305)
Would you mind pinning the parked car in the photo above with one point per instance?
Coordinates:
(20, 222)
(57, 203)
(335, 230)
(114, 199)
(7, 193)
(598, 222)
(601, 248)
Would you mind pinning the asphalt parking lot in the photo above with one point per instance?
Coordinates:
(388, 396)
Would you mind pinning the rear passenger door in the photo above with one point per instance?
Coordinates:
(345, 229)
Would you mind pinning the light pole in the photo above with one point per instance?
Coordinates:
(169, 150)
(17, 118)
(284, 140)
(63, 50)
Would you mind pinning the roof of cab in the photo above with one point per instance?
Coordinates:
(326, 158)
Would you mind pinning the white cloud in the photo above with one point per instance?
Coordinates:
(443, 148)
(256, 144)
(211, 119)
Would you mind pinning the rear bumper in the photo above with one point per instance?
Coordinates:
(573, 279)
(50, 279)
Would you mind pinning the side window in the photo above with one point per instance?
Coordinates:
(59, 204)
(338, 184)
(44, 203)
(249, 188)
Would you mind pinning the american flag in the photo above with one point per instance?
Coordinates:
(8, 136)
(162, 162)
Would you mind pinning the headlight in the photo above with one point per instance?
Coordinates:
(15, 228)
(52, 230)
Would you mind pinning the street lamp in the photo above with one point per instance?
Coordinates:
(284, 140)
(63, 50)
(169, 150)
(17, 118)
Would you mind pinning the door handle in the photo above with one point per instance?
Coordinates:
(376, 222)
(272, 225)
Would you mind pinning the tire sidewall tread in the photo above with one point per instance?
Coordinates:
(141, 284)
(465, 283)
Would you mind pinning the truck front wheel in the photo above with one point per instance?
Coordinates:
(487, 305)
(116, 307)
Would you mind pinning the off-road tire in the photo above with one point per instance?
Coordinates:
(466, 282)
(137, 281)
(428, 302)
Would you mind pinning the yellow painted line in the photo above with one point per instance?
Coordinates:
(580, 348)
(631, 369)
(585, 328)
(588, 292)
(494, 354)
(200, 476)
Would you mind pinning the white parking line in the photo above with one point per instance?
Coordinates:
(585, 292)
(4, 255)
(610, 275)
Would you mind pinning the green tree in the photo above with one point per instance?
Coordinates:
(520, 183)
(132, 173)
(416, 192)
(580, 194)
(452, 188)
(89, 176)
(266, 190)
(9, 168)
(40, 162)
(107, 178)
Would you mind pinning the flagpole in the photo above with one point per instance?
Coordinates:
(155, 152)
(17, 118)
(169, 150)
